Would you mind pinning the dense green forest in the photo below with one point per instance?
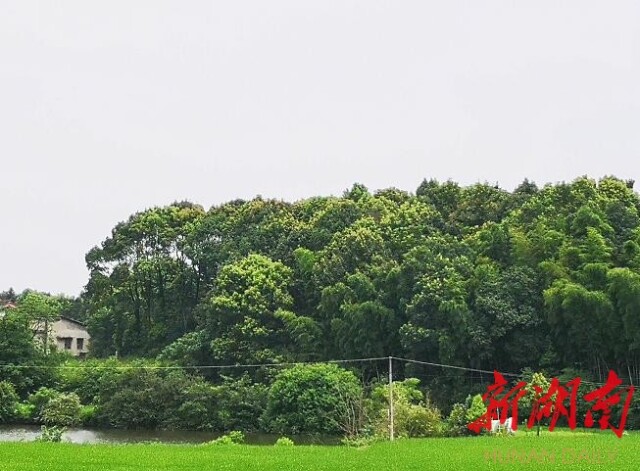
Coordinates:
(472, 276)
(541, 278)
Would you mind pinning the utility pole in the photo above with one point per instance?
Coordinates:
(390, 398)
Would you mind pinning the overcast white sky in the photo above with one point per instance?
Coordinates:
(110, 107)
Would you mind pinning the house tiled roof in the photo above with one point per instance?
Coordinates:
(70, 319)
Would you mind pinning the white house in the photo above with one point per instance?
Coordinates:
(68, 335)
(71, 336)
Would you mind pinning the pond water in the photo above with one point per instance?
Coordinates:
(28, 433)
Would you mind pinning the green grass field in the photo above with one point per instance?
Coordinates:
(558, 450)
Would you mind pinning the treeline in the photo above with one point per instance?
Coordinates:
(546, 278)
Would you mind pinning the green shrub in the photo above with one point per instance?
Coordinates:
(141, 398)
(284, 441)
(456, 423)
(423, 420)
(240, 404)
(51, 434)
(232, 438)
(197, 408)
(360, 441)
(93, 378)
(40, 399)
(8, 402)
(154, 398)
(25, 413)
(88, 415)
(237, 437)
(63, 410)
(310, 398)
(476, 409)
(151, 398)
(413, 416)
(223, 440)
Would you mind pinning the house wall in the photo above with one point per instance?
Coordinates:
(66, 334)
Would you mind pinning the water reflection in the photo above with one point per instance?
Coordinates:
(29, 433)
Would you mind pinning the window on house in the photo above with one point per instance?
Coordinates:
(67, 343)
(80, 343)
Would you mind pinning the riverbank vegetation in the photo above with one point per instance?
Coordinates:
(314, 399)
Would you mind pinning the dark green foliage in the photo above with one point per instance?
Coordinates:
(456, 423)
(145, 398)
(472, 276)
(18, 348)
(8, 402)
(241, 404)
(309, 398)
(413, 415)
(40, 399)
(541, 277)
(241, 316)
(51, 434)
(62, 410)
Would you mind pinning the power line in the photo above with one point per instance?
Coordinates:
(513, 375)
(453, 367)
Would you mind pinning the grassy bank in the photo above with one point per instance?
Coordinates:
(560, 450)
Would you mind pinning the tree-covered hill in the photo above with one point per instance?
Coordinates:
(474, 276)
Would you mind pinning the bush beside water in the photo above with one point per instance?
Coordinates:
(320, 399)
